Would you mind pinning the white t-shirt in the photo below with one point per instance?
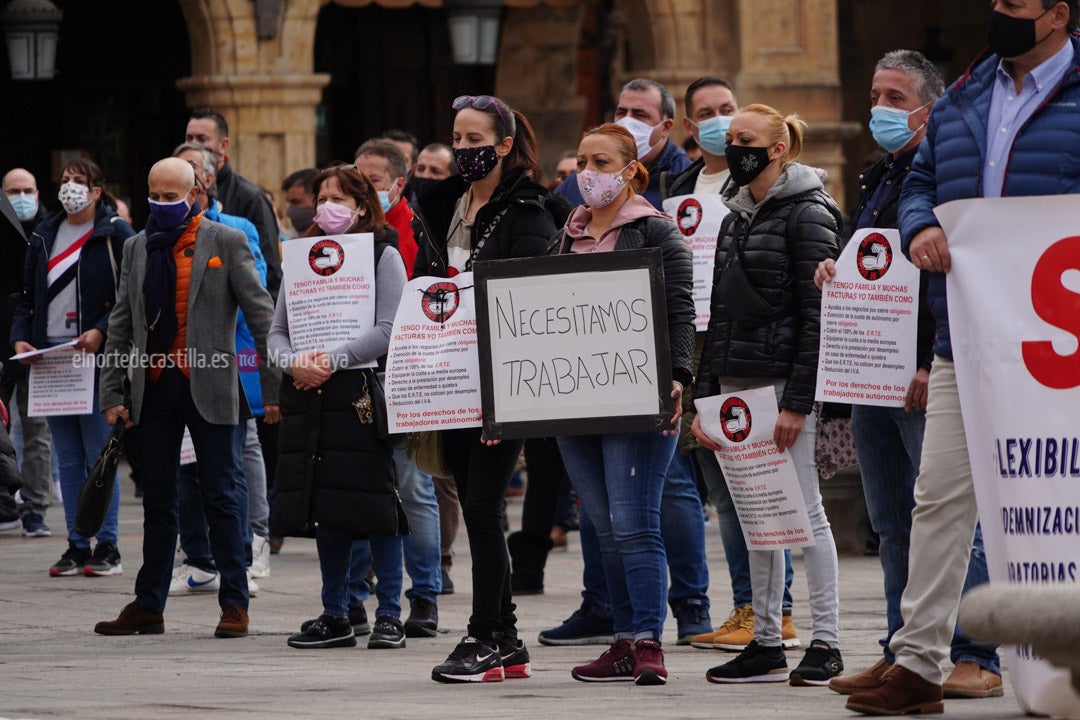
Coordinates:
(710, 184)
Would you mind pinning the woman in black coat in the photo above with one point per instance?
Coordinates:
(494, 210)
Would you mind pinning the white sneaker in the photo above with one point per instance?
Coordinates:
(253, 589)
(189, 580)
(260, 557)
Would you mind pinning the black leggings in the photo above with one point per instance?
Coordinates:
(482, 475)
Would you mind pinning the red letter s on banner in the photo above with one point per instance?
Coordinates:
(1059, 306)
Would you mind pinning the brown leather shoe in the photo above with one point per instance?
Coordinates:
(969, 680)
(233, 624)
(133, 619)
(866, 680)
(902, 693)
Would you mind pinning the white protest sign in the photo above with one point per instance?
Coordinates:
(432, 367)
(869, 323)
(699, 218)
(62, 383)
(329, 286)
(573, 338)
(764, 487)
(1014, 320)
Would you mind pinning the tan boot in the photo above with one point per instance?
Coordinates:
(789, 636)
(866, 680)
(233, 623)
(902, 693)
(968, 680)
(734, 635)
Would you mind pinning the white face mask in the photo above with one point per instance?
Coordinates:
(642, 134)
(74, 197)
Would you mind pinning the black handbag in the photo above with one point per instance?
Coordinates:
(97, 491)
(737, 291)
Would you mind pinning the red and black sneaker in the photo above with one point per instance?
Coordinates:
(515, 659)
(650, 668)
(617, 663)
(471, 661)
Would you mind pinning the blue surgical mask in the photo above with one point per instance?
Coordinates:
(712, 134)
(889, 126)
(168, 216)
(384, 199)
(25, 205)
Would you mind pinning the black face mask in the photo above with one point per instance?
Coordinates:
(1010, 36)
(300, 217)
(746, 163)
(476, 163)
(417, 186)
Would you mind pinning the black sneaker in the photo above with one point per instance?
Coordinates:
(471, 661)
(584, 627)
(71, 562)
(515, 658)
(388, 634)
(423, 620)
(324, 632)
(819, 665)
(358, 620)
(447, 583)
(104, 561)
(755, 664)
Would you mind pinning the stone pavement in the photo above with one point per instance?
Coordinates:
(52, 665)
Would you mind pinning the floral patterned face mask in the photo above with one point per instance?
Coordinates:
(600, 188)
(476, 163)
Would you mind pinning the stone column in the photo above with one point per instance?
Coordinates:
(264, 86)
(790, 60)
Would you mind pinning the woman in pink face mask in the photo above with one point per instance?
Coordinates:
(620, 476)
(335, 472)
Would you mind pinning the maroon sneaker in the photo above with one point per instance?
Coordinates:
(617, 663)
(650, 668)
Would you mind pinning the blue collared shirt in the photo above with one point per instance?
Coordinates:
(1010, 110)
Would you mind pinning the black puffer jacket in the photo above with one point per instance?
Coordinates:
(525, 230)
(782, 270)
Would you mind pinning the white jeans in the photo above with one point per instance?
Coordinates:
(942, 529)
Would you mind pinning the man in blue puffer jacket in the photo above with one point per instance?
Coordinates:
(1008, 127)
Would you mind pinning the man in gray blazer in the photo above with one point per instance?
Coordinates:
(174, 323)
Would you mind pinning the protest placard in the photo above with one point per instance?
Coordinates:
(869, 317)
(1014, 321)
(761, 478)
(61, 383)
(329, 286)
(699, 218)
(573, 344)
(432, 368)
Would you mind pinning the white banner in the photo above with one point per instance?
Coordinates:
(764, 487)
(433, 365)
(699, 218)
(329, 286)
(61, 383)
(869, 323)
(1014, 319)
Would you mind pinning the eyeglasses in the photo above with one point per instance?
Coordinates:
(480, 102)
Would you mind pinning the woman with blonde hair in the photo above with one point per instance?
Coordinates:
(619, 476)
(764, 331)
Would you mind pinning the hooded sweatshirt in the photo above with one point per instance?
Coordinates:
(577, 225)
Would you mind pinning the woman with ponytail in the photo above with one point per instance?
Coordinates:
(71, 273)
(493, 210)
(764, 331)
(620, 476)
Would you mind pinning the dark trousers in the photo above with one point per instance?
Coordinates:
(167, 407)
(546, 478)
(482, 475)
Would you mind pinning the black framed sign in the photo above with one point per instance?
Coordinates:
(573, 344)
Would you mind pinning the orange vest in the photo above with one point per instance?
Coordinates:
(184, 254)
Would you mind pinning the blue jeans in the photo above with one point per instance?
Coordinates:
(167, 407)
(888, 442)
(731, 534)
(384, 553)
(194, 532)
(620, 480)
(77, 441)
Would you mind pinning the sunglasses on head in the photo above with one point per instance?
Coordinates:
(480, 102)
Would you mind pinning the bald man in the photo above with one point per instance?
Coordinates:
(181, 282)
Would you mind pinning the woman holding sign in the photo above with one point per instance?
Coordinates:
(620, 476)
(72, 267)
(493, 210)
(764, 330)
(335, 473)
